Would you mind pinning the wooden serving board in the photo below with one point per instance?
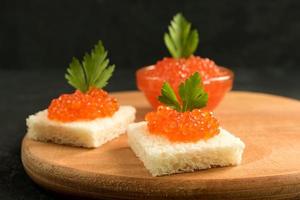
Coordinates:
(269, 125)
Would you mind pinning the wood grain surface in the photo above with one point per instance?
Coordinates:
(269, 125)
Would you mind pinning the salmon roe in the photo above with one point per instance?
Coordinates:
(217, 81)
(176, 71)
(187, 126)
(78, 106)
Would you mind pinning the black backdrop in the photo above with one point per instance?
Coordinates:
(234, 33)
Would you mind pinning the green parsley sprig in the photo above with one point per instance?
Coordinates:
(181, 40)
(191, 93)
(93, 71)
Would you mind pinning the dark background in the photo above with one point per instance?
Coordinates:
(258, 40)
(46, 34)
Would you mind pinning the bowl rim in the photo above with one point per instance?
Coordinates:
(227, 76)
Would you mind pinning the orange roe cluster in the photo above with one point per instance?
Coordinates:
(78, 106)
(177, 70)
(187, 126)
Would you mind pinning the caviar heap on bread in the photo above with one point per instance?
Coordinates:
(182, 41)
(89, 117)
(182, 137)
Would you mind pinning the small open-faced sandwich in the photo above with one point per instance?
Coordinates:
(89, 117)
(180, 137)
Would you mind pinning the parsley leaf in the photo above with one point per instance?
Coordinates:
(94, 71)
(181, 41)
(191, 93)
(168, 97)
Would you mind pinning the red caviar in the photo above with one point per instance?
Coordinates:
(187, 126)
(217, 80)
(177, 70)
(96, 103)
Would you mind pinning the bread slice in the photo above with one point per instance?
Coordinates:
(83, 133)
(162, 157)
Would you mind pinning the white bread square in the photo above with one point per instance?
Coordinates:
(88, 134)
(162, 157)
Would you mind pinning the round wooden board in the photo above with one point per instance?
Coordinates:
(269, 125)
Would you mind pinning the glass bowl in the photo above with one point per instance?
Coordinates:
(216, 87)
